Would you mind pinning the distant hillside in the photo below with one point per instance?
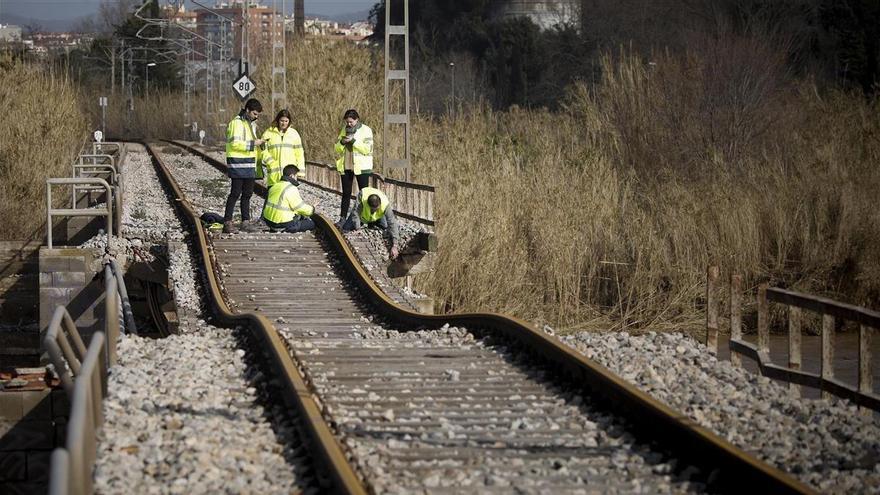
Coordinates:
(52, 26)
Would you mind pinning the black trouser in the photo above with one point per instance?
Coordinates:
(245, 189)
(363, 181)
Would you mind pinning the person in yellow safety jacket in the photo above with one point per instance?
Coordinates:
(285, 209)
(354, 156)
(242, 149)
(374, 210)
(283, 146)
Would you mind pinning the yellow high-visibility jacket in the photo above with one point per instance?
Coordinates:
(241, 155)
(366, 215)
(281, 150)
(284, 203)
(361, 149)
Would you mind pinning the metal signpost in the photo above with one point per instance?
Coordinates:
(102, 102)
(279, 57)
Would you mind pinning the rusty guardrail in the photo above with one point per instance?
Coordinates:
(868, 320)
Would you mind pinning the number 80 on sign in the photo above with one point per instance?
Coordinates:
(243, 86)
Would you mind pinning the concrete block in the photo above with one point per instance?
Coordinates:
(26, 435)
(10, 406)
(81, 229)
(53, 263)
(36, 405)
(46, 312)
(427, 241)
(79, 263)
(13, 466)
(46, 279)
(55, 295)
(68, 279)
(60, 404)
(38, 465)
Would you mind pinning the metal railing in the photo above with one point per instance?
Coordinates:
(100, 170)
(106, 212)
(411, 200)
(861, 394)
(96, 148)
(93, 170)
(71, 469)
(58, 339)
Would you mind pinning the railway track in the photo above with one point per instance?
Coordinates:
(396, 401)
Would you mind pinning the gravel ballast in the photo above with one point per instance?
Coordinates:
(825, 443)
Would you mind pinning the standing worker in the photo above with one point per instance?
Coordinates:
(354, 156)
(242, 148)
(374, 210)
(285, 209)
(283, 146)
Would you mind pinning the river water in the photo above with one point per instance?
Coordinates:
(846, 356)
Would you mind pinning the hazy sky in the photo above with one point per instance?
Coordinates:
(74, 9)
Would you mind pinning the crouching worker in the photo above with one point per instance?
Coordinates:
(285, 209)
(374, 210)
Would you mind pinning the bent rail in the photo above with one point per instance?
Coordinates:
(862, 394)
(738, 470)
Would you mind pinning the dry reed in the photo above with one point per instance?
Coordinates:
(43, 130)
(605, 214)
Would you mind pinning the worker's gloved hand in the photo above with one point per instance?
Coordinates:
(394, 252)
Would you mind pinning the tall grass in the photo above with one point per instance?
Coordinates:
(326, 78)
(605, 214)
(43, 129)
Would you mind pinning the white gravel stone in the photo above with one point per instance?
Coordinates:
(825, 443)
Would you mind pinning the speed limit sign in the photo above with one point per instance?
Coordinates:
(244, 86)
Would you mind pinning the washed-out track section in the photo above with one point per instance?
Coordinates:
(487, 404)
(432, 409)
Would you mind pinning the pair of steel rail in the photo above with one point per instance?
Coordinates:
(736, 471)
